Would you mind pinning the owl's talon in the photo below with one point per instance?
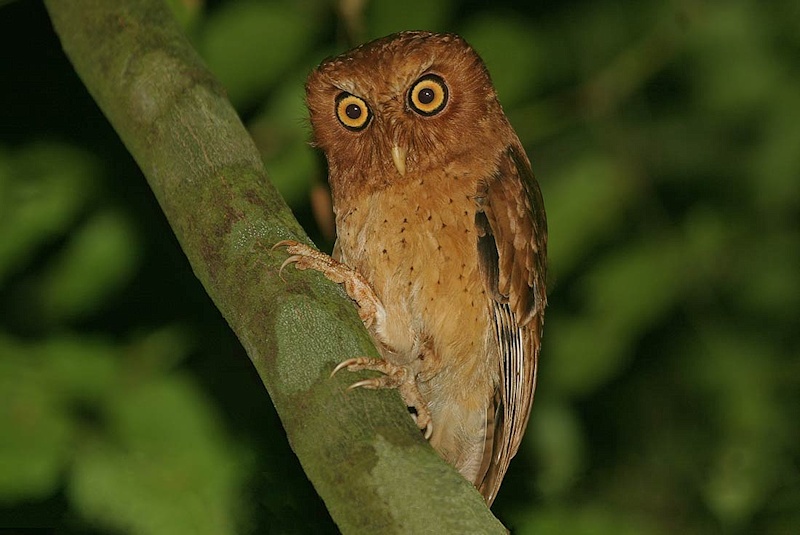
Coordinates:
(428, 430)
(284, 243)
(343, 364)
(293, 258)
(424, 422)
(286, 263)
(371, 384)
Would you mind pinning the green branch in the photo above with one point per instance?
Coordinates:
(360, 449)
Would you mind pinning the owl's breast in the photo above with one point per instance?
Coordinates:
(416, 244)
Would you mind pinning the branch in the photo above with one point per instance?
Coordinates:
(360, 449)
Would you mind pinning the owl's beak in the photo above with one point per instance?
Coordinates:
(399, 158)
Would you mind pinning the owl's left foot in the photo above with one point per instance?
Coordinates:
(393, 377)
(358, 289)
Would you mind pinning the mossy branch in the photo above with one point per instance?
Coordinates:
(376, 474)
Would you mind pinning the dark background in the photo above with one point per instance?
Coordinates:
(665, 137)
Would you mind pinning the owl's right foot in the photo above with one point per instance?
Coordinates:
(393, 377)
(370, 308)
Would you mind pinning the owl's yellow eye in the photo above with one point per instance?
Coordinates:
(352, 112)
(428, 96)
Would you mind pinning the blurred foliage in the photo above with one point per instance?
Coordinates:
(665, 136)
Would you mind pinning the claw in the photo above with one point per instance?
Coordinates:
(293, 258)
(366, 383)
(428, 426)
(289, 260)
(284, 243)
(286, 262)
(342, 365)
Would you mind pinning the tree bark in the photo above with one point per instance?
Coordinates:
(360, 449)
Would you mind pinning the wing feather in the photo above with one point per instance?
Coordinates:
(512, 249)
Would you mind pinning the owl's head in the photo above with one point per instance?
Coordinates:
(402, 106)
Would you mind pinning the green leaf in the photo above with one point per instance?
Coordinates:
(187, 12)
(633, 288)
(511, 51)
(559, 442)
(384, 18)
(250, 45)
(627, 293)
(774, 167)
(80, 369)
(592, 519)
(167, 468)
(735, 70)
(37, 434)
(737, 374)
(585, 355)
(585, 202)
(160, 350)
(43, 188)
(281, 133)
(100, 258)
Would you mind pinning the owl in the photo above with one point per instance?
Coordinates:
(441, 240)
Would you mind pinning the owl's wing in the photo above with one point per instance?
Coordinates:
(512, 251)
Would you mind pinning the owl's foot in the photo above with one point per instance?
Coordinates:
(393, 377)
(358, 289)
